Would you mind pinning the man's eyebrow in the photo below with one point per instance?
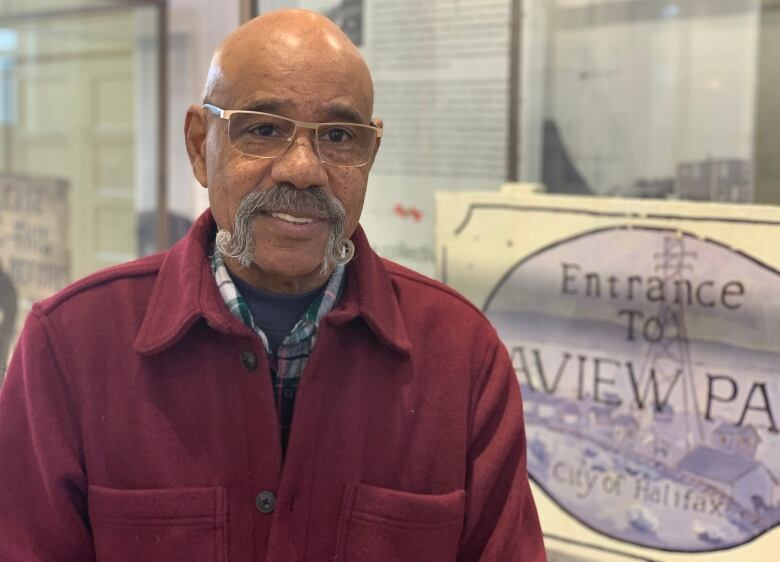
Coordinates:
(342, 112)
(265, 106)
(335, 112)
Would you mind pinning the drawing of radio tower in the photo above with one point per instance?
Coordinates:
(669, 354)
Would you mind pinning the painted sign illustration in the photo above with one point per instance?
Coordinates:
(650, 382)
(646, 344)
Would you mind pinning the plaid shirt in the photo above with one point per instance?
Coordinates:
(293, 353)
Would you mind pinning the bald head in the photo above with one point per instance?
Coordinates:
(294, 44)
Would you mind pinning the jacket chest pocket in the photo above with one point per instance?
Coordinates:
(171, 525)
(383, 525)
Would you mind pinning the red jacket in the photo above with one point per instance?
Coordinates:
(137, 424)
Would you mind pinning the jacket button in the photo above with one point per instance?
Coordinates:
(265, 501)
(249, 360)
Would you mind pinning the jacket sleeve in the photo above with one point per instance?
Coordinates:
(42, 480)
(501, 522)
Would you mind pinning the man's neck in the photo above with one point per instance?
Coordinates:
(275, 313)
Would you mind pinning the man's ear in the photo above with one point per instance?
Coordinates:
(377, 122)
(195, 139)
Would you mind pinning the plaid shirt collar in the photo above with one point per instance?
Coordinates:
(303, 330)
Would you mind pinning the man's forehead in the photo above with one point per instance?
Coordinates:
(338, 109)
(297, 85)
(293, 57)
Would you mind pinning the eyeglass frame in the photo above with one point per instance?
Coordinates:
(226, 113)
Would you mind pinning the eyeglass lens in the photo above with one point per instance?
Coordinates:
(268, 136)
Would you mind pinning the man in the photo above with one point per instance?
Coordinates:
(160, 410)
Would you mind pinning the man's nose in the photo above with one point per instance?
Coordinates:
(300, 165)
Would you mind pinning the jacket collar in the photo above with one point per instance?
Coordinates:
(185, 291)
(370, 294)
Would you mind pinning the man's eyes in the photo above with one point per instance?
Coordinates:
(264, 130)
(337, 135)
(330, 134)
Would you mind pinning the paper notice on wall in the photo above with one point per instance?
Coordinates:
(646, 339)
(440, 71)
(34, 253)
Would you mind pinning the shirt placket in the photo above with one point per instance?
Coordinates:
(291, 357)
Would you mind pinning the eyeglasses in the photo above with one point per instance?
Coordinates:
(265, 135)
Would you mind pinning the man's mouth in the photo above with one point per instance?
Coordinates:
(291, 219)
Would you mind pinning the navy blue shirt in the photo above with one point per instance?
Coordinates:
(275, 313)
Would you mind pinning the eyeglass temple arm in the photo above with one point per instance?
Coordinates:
(214, 110)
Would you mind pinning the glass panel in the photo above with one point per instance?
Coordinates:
(78, 165)
(642, 98)
(767, 169)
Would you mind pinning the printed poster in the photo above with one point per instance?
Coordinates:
(34, 254)
(646, 340)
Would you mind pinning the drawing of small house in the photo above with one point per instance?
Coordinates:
(539, 406)
(740, 440)
(624, 427)
(599, 415)
(569, 413)
(742, 478)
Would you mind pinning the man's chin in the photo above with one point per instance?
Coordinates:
(295, 273)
